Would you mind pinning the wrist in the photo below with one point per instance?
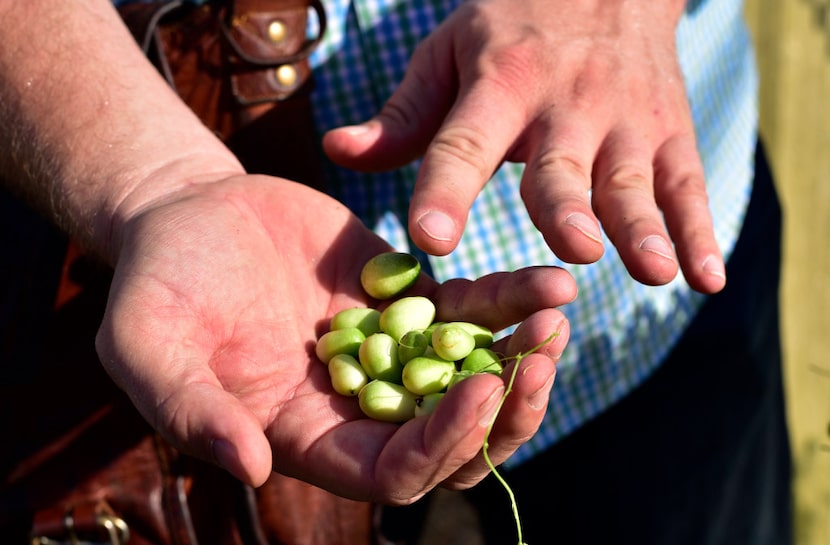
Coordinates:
(143, 191)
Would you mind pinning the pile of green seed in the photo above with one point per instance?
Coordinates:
(399, 362)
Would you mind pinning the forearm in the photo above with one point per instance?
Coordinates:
(90, 132)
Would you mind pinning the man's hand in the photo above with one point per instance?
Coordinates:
(220, 292)
(589, 95)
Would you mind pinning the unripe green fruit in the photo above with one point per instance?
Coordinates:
(482, 360)
(452, 342)
(482, 335)
(366, 320)
(339, 341)
(389, 274)
(378, 355)
(386, 401)
(405, 315)
(424, 375)
(412, 345)
(347, 375)
(431, 329)
(425, 405)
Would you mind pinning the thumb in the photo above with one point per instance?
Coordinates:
(193, 412)
(205, 421)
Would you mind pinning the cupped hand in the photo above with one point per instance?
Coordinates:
(589, 95)
(220, 292)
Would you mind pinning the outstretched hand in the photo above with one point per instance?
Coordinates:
(589, 95)
(220, 292)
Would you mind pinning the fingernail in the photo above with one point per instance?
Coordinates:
(356, 130)
(224, 453)
(489, 407)
(437, 225)
(714, 266)
(658, 245)
(584, 225)
(539, 399)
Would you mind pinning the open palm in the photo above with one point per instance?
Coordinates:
(219, 294)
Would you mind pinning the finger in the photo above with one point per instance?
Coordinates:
(401, 131)
(680, 191)
(455, 432)
(482, 125)
(499, 300)
(189, 408)
(324, 440)
(555, 189)
(525, 406)
(624, 200)
(205, 421)
(364, 459)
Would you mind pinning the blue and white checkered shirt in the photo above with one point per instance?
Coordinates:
(620, 330)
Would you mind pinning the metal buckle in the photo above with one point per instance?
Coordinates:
(113, 526)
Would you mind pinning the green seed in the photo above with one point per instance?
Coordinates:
(366, 320)
(426, 404)
(378, 355)
(386, 401)
(423, 376)
(412, 345)
(347, 375)
(482, 360)
(340, 341)
(389, 274)
(405, 315)
(452, 342)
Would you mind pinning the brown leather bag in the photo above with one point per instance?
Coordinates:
(80, 465)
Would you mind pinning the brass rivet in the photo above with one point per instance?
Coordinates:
(277, 31)
(286, 75)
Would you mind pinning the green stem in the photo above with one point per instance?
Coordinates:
(485, 446)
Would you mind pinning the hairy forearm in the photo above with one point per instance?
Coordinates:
(90, 132)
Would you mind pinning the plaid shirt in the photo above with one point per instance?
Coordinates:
(620, 330)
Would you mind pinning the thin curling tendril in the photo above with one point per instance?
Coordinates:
(486, 445)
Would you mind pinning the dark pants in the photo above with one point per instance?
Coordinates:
(696, 455)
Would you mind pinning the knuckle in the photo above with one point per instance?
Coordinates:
(629, 175)
(462, 144)
(561, 161)
(400, 110)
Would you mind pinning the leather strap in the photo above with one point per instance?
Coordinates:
(269, 47)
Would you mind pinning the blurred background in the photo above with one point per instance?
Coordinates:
(792, 39)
